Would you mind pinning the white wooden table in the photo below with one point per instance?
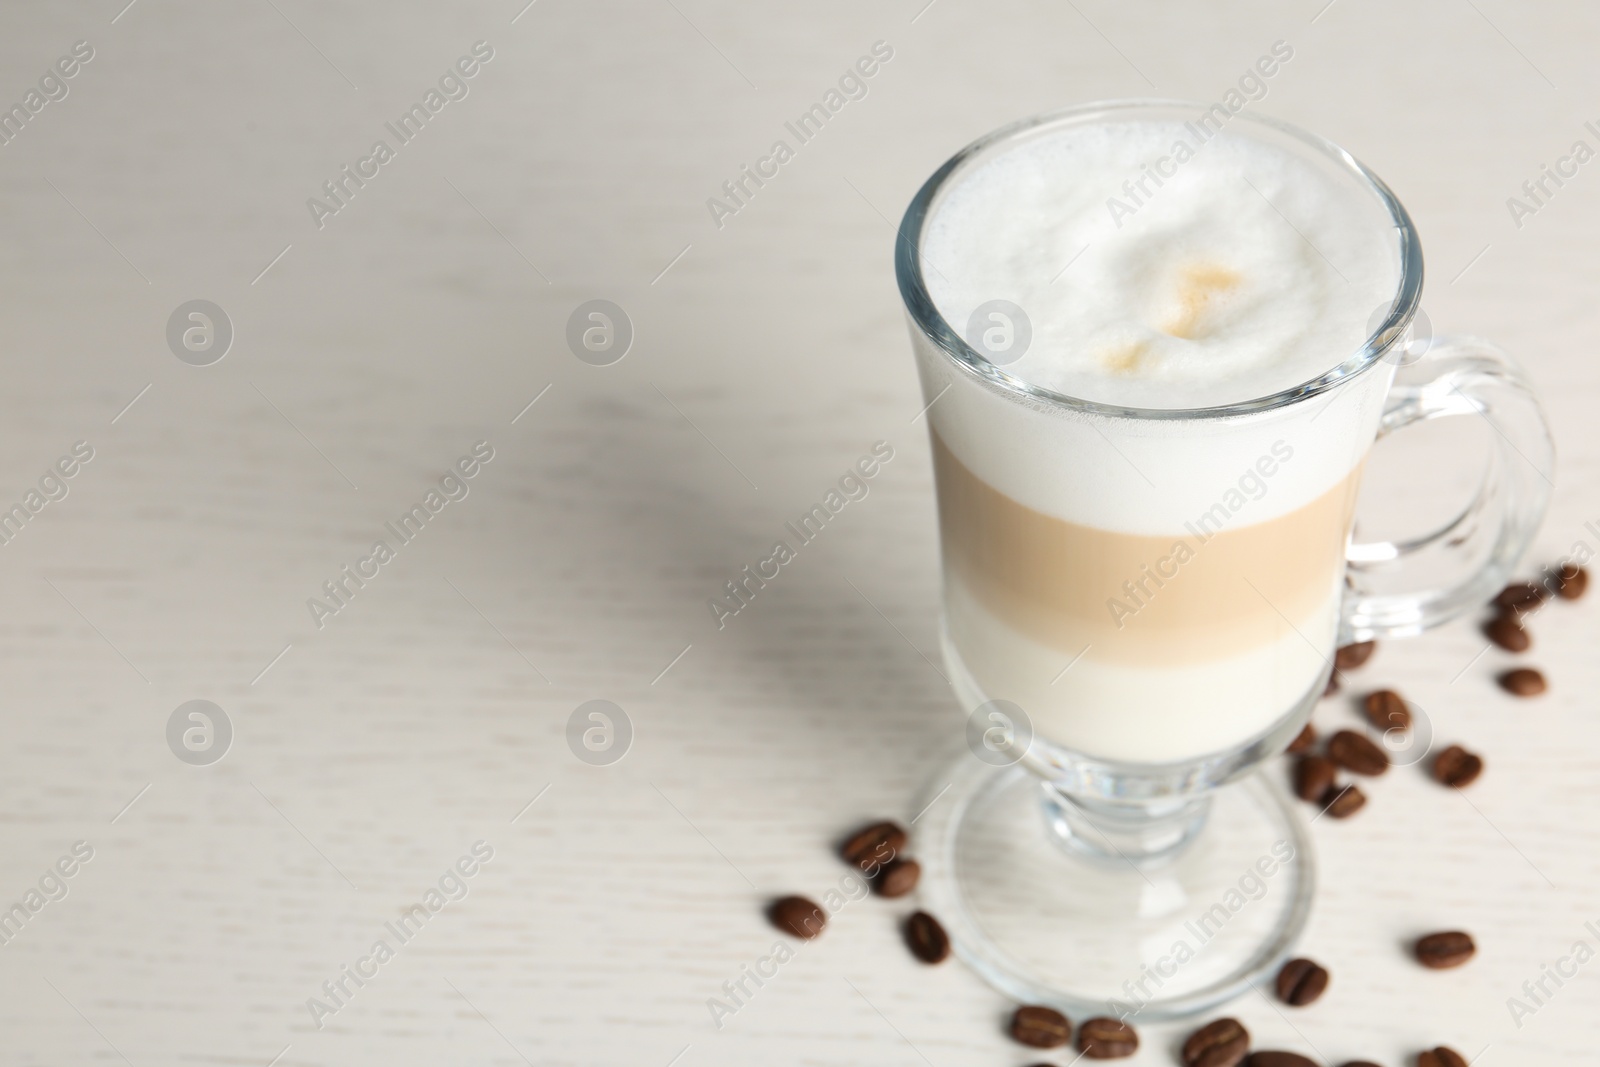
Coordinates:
(430, 712)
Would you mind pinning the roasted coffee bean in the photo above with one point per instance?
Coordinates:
(1507, 632)
(1523, 682)
(1356, 752)
(1441, 1057)
(1223, 1043)
(1519, 597)
(798, 916)
(1457, 767)
(1449, 948)
(1040, 1027)
(1331, 688)
(870, 845)
(1107, 1039)
(1350, 657)
(1301, 981)
(1570, 581)
(1303, 740)
(1360, 1063)
(926, 938)
(1278, 1059)
(1312, 777)
(1343, 801)
(1387, 710)
(897, 878)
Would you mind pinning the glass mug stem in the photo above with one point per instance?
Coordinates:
(1142, 833)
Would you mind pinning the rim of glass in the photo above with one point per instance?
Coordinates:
(914, 290)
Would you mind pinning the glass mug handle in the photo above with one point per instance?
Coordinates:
(1458, 376)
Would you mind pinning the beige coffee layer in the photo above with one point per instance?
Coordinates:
(1142, 599)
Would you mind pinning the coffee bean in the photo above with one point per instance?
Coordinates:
(1107, 1039)
(1387, 710)
(1457, 767)
(1331, 688)
(1570, 581)
(1356, 752)
(1301, 981)
(1360, 1063)
(1523, 682)
(1278, 1059)
(798, 916)
(1312, 777)
(897, 878)
(1519, 596)
(1441, 1057)
(1343, 801)
(1507, 632)
(1040, 1027)
(1223, 1043)
(1450, 948)
(872, 845)
(926, 938)
(1303, 740)
(1350, 657)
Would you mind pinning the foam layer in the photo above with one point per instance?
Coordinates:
(1252, 268)
(1246, 270)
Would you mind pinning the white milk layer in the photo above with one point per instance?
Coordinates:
(1153, 713)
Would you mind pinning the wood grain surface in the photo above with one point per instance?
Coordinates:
(431, 711)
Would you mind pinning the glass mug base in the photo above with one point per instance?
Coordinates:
(1048, 924)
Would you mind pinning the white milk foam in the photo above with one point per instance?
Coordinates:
(1269, 295)
(1245, 272)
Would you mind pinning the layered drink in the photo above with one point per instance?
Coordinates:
(1144, 561)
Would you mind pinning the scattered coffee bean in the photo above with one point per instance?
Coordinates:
(1107, 1039)
(1350, 657)
(1343, 801)
(1523, 682)
(1278, 1059)
(926, 938)
(1450, 948)
(1040, 1027)
(897, 878)
(1507, 632)
(1331, 688)
(874, 844)
(1570, 581)
(1457, 767)
(1223, 1043)
(1441, 1057)
(1356, 752)
(1360, 1063)
(1387, 710)
(1301, 981)
(798, 916)
(1303, 740)
(1312, 777)
(1519, 596)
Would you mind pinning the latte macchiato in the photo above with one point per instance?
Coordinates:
(1157, 588)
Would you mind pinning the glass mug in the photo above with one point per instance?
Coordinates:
(1124, 677)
